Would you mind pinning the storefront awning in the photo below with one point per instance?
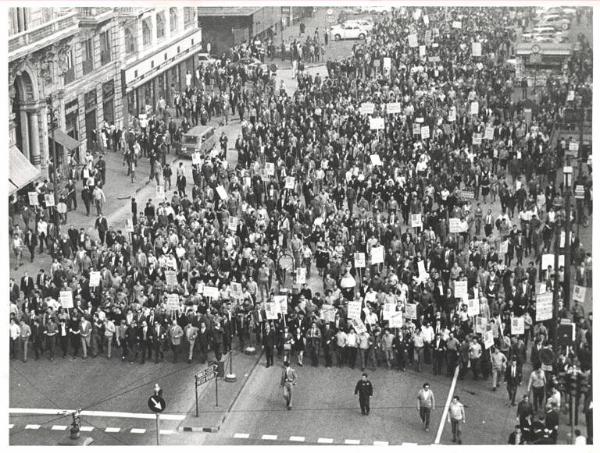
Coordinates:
(21, 172)
(67, 142)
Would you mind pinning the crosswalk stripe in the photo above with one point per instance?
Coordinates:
(166, 432)
(58, 427)
(297, 438)
(380, 443)
(324, 440)
(352, 442)
(269, 437)
(137, 431)
(32, 427)
(112, 430)
(409, 444)
(241, 436)
(86, 428)
(140, 415)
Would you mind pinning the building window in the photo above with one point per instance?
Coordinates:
(188, 17)
(173, 19)
(69, 75)
(19, 20)
(160, 25)
(130, 41)
(105, 47)
(71, 115)
(147, 32)
(87, 56)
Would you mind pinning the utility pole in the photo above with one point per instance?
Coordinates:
(567, 277)
(558, 202)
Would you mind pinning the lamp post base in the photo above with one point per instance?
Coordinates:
(230, 377)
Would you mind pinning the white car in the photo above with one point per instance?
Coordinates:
(364, 23)
(554, 20)
(353, 31)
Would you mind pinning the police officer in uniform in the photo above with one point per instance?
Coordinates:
(364, 390)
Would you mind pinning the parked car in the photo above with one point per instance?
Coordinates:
(555, 20)
(348, 32)
(367, 24)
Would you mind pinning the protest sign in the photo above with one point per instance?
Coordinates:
(281, 300)
(416, 129)
(33, 198)
(211, 291)
(172, 302)
(222, 192)
(422, 51)
(489, 133)
(415, 220)
(358, 325)
(424, 132)
(411, 311)
(461, 289)
(359, 260)
(457, 24)
(300, 275)
(517, 326)
(290, 182)
(488, 339)
(480, 324)
(271, 310)
(367, 108)
(393, 107)
(270, 168)
(395, 320)
(413, 41)
(376, 160)
(233, 223)
(455, 225)
(477, 138)
(476, 49)
(171, 278)
(388, 310)
(160, 192)
(236, 290)
(376, 124)
(196, 159)
(354, 309)
(452, 114)
(377, 254)
(49, 199)
(94, 279)
(579, 293)
(328, 313)
(472, 307)
(548, 260)
(66, 299)
(503, 248)
(543, 307)
(475, 108)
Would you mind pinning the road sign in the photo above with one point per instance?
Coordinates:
(206, 375)
(156, 404)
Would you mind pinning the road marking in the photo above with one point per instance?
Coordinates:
(175, 417)
(58, 427)
(409, 444)
(445, 413)
(269, 437)
(297, 438)
(112, 430)
(352, 442)
(32, 427)
(137, 431)
(11, 426)
(166, 432)
(324, 440)
(86, 428)
(380, 443)
(241, 436)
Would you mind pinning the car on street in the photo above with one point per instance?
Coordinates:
(352, 31)
(555, 20)
(367, 24)
(199, 139)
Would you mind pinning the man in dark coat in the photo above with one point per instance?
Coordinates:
(269, 343)
(364, 390)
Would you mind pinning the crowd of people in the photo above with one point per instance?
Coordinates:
(427, 237)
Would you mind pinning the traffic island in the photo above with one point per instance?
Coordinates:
(216, 396)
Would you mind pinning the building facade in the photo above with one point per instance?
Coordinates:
(160, 46)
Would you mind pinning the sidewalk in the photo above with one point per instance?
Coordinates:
(210, 417)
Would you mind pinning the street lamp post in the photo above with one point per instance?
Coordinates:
(52, 122)
(558, 206)
(567, 185)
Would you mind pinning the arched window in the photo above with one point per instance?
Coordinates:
(160, 25)
(147, 31)
(173, 19)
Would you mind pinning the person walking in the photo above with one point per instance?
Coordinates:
(498, 365)
(364, 390)
(269, 343)
(513, 380)
(288, 380)
(25, 334)
(425, 404)
(537, 386)
(175, 335)
(456, 416)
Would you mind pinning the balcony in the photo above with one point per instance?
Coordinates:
(36, 38)
(90, 17)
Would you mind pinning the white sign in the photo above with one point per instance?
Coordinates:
(376, 124)
(489, 133)
(422, 51)
(282, 301)
(172, 302)
(171, 278)
(475, 108)
(503, 248)
(66, 299)
(211, 291)
(477, 138)
(270, 168)
(413, 41)
(543, 307)
(573, 146)
(160, 192)
(548, 260)
(579, 293)
(49, 198)
(388, 311)
(376, 160)
(33, 198)
(271, 310)
(480, 324)
(411, 311)
(359, 260)
(129, 225)
(367, 108)
(300, 275)
(452, 114)
(328, 313)
(94, 279)
(290, 182)
(196, 159)
(476, 49)
(488, 339)
(461, 289)
(455, 225)
(393, 107)
(358, 325)
(395, 320)
(424, 132)
(473, 307)
(456, 24)
(354, 309)
(377, 254)
(233, 223)
(517, 326)
(222, 192)
(415, 220)
(416, 129)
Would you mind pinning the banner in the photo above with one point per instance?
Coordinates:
(377, 255)
(354, 309)
(376, 124)
(94, 279)
(467, 194)
(66, 299)
(517, 326)
(359, 260)
(544, 307)
(476, 49)
(415, 220)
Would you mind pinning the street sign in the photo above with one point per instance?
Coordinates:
(156, 404)
(206, 375)
(579, 192)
